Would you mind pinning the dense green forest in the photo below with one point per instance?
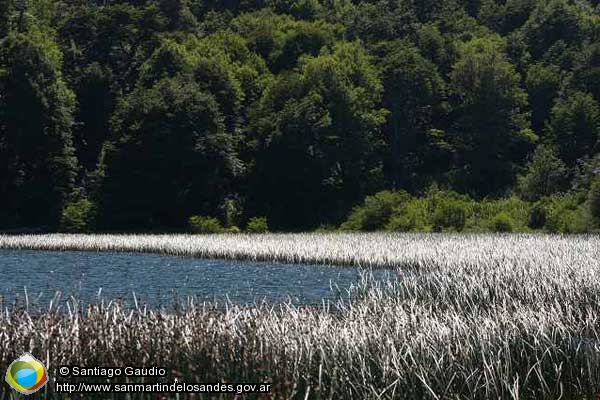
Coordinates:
(146, 115)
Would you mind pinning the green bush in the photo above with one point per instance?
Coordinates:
(444, 210)
(232, 211)
(484, 212)
(326, 228)
(593, 200)
(567, 214)
(201, 224)
(375, 212)
(546, 175)
(450, 214)
(537, 216)
(411, 217)
(257, 225)
(566, 220)
(502, 223)
(76, 216)
(233, 229)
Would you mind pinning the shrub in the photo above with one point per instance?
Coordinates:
(484, 212)
(201, 224)
(76, 216)
(502, 223)
(232, 211)
(326, 228)
(566, 220)
(375, 212)
(234, 230)
(567, 214)
(593, 200)
(257, 225)
(450, 214)
(537, 216)
(411, 217)
(546, 175)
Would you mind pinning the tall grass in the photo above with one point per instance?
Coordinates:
(355, 249)
(471, 317)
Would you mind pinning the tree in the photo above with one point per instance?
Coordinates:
(382, 20)
(239, 108)
(551, 22)
(300, 39)
(546, 175)
(118, 37)
(171, 158)
(490, 132)
(543, 83)
(436, 47)
(178, 15)
(318, 133)
(5, 15)
(506, 16)
(586, 170)
(415, 96)
(575, 126)
(281, 41)
(586, 71)
(96, 96)
(37, 164)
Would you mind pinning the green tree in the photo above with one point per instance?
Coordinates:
(77, 216)
(119, 37)
(415, 96)
(301, 39)
(378, 20)
(5, 17)
(97, 99)
(587, 168)
(318, 133)
(543, 84)
(178, 15)
(37, 164)
(220, 64)
(281, 41)
(436, 47)
(293, 109)
(552, 22)
(506, 16)
(171, 158)
(575, 126)
(546, 175)
(586, 70)
(490, 132)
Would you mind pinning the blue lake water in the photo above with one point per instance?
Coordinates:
(156, 279)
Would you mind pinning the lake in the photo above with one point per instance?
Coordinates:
(156, 280)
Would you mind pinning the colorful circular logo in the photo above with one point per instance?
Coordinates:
(26, 374)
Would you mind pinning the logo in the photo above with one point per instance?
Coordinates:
(26, 374)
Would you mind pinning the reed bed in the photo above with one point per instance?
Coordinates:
(353, 249)
(470, 317)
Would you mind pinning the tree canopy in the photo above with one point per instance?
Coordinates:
(138, 115)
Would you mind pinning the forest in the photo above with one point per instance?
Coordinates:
(296, 115)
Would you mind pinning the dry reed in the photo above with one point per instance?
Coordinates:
(470, 317)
